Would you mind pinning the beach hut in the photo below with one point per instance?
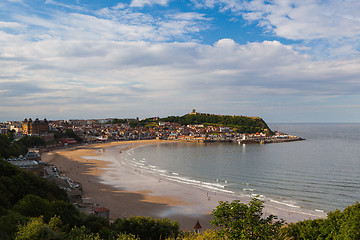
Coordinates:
(102, 212)
(197, 227)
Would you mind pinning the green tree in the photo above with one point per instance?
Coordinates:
(16, 183)
(236, 220)
(11, 135)
(147, 227)
(81, 233)
(32, 206)
(10, 147)
(96, 224)
(307, 229)
(124, 236)
(207, 235)
(343, 225)
(71, 134)
(66, 211)
(32, 141)
(36, 229)
(9, 224)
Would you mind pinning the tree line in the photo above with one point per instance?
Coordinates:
(11, 147)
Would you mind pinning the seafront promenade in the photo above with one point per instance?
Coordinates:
(245, 139)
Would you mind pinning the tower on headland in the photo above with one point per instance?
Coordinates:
(193, 112)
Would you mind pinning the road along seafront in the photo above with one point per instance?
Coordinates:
(128, 191)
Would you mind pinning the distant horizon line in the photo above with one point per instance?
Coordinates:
(109, 118)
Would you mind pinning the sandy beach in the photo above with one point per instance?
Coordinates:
(131, 192)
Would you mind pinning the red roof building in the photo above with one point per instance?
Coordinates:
(102, 212)
(197, 227)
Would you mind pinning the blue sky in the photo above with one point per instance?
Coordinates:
(282, 60)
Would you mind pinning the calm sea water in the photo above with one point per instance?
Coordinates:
(321, 173)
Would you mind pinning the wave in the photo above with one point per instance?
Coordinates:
(218, 185)
(284, 203)
(175, 177)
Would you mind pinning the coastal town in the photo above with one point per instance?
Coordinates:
(55, 133)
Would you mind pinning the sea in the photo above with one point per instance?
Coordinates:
(320, 174)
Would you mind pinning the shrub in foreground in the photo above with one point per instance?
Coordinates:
(237, 220)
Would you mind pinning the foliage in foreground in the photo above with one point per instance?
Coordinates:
(237, 220)
(338, 225)
(147, 227)
(233, 220)
(36, 228)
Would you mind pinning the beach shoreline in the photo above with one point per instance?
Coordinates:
(130, 192)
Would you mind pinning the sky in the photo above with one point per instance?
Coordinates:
(286, 61)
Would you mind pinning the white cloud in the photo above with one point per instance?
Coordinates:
(116, 25)
(331, 29)
(224, 5)
(298, 19)
(56, 3)
(190, 16)
(77, 72)
(142, 3)
(308, 19)
(141, 26)
(16, 1)
(13, 25)
(119, 6)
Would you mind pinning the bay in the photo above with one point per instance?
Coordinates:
(321, 173)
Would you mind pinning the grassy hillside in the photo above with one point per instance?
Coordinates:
(13, 148)
(16, 187)
(241, 124)
(16, 183)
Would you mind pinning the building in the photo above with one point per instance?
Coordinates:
(33, 156)
(3, 131)
(31, 162)
(23, 163)
(197, 227)
(35, 127)
(193, 112)
(102, 212)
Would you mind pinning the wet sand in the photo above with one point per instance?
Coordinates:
(129, 191)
